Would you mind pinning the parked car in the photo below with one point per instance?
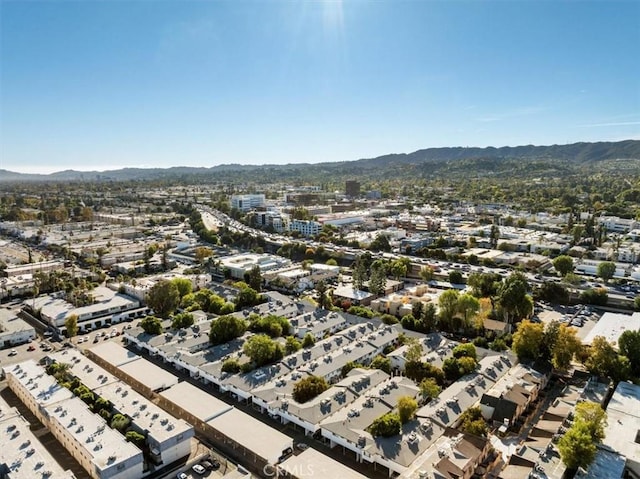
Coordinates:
(197, 468)
(302, 446)
(181, 475)
(13, 352)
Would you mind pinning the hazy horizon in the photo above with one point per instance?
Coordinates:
(95, 86)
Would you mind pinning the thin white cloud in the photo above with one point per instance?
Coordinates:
(519, 112)
(613, 123)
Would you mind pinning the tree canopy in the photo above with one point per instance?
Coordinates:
(308, 388)
(163, 298)
(151, 325)
(226, 328)
(262, 349)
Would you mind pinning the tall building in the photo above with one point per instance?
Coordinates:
(247, 202)
(352, 188)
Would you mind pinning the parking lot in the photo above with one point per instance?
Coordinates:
(582, 318)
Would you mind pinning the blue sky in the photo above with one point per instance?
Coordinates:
(98, 85)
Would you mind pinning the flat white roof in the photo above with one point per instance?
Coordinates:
(114, 354)
(106, 446)
(264, 441)
(312, 463)
(42, 387)
(21, 451)
(143, 371)
(612, 325)
(89, 373)
(143, 413)
(623, 424)
(194, 400)
(147, 373)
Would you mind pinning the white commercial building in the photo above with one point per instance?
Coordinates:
(14, 330)
(305, 227)
(623, 426)
(247, 202)
(240, 264)
(107, 307)
(611, 326)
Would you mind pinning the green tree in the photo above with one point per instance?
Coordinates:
(151, 325)
(184, 286)
(247, 296)
(629, 346)
(448, 303)
(386, 425)
(577, 448)
(426, 273)
(231, 365)
(414, 350)
(254, 278)
(262, 349)
(182, 320)
(563, 264)
(71, 325)
(596, 296)
(603, 360)
(513, 300)
(527, 340)
(308, 388)
(429, 388)
(380, 243)
(484, 285)
(467, 350)
(472, 422)
(554, 293)
(399, 269)
(308, 341)
(226, 328)
(593, 417)
(359, 272)
(565, 347)
(382, 363)
(468, 306)
(407, 407)
(163, 298)
(455, 277)
(606, 270)
(378, 278)
(291, 345)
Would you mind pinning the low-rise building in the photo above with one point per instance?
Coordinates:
(240, 264)
(107, 307)
(512, 394)
(623, 426)
(103, 452)
(611, 326)
(14, 330)
(22, 455)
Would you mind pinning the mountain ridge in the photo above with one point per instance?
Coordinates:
(581, 152)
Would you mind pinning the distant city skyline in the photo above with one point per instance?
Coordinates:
(107, 85)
